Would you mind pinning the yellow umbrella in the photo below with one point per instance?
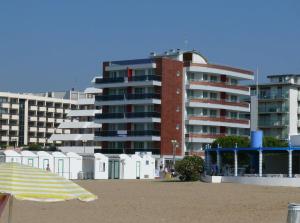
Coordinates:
(29, 183)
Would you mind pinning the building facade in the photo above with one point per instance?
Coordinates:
(169, 104)
(77, 132)
(32, 118)
(275, 107)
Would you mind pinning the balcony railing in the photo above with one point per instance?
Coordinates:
(273, 122)
(273, 109)
(123, 133)
(128, 115)
(126, 150)
(129, 79)
(273, 95)
(122, 97)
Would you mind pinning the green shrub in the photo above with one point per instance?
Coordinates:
(189, 168)
(230, 142)
(270, 141)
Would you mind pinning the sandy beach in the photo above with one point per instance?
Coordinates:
(155, 201)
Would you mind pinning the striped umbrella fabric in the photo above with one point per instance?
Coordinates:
(28, 183)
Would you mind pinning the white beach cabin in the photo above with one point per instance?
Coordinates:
(29, 158)
(130, 166)
(88, 163)
(100, 166)
(75, 165)
(148, 166)
(10, 156)
(45, 160)
(61, 164)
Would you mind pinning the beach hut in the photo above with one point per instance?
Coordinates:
(100, 166)
(45, 160)
(148, 166)
(130, 166)
(9, 156)
(29, 158)
(61, 164)
(88, 162)
(75, 165)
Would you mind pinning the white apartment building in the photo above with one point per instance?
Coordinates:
(32, 118)
(276, 108)
(177, 97)
(76, 133)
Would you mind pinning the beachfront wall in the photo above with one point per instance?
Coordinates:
(61, 164)
(147, 167)
(100, 166)
(75, 165)
(29, 158)
(45, 159)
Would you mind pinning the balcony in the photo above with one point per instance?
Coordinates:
(4, 116)
(14, 117)
(4, 127)
(273, 123)
(274, 95)
(15, 106)
(154, 151)
(33, 108)
(33, 119)
(51, 109)
(274, 109)
(127, 79)
(43, 109)
(128, 115)
(59, 110)
(128, 99)
(4, 138)
(33, 129)
(4, 105)
(195, 84)
(122, 133)
(14, 128)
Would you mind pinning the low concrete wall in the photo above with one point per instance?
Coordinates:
(211, 179)
(264, 181)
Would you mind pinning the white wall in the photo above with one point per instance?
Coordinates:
(293, 111)
(100, 166)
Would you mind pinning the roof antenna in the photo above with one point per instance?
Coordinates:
(186, 42)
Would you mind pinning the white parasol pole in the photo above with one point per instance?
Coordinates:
(10, 209)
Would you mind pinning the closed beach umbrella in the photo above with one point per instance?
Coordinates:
(28, 183)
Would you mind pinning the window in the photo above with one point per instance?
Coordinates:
(233, 115)
(213, 113)
(204, 129)
(101, 167)
(213, 78)
(213, 130)
(213, 95)
(234, 81)
(151, 71)
(138, 145)
(204, 112)
(139, 72)
(233, 131)
(205, 77)
(30, 162)
(205, 94)
(139, 90)
(147, 162)
(233, 98)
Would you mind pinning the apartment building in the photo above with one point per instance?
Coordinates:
(77, 132)
(32, 118)
(275, 107)
(168, 104)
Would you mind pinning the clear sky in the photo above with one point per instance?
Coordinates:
(57, 44)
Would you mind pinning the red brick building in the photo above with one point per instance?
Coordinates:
(148, 103)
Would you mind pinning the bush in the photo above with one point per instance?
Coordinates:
(270, 141)
(189, 168)
(230, 141)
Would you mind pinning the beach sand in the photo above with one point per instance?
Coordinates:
(156, 201)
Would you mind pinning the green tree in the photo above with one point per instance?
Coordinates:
(270, 141)
(189, 168)
(230, 142)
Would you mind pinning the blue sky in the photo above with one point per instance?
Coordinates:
(57, 45)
